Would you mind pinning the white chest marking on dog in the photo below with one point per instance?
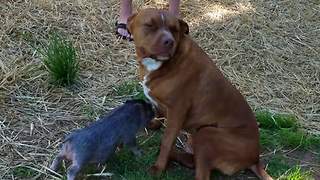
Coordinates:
(146, 90)
(162, 18)
(151, 65)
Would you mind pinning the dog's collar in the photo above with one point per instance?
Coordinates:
(215, 125)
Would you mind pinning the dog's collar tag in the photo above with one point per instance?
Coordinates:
(151, 64)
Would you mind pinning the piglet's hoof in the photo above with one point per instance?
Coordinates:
(155, 170)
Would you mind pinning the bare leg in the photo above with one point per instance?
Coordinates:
(174, 7)
(125, 12)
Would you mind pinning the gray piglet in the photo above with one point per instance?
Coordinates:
(97, 142)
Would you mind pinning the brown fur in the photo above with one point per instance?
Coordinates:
(194, 95)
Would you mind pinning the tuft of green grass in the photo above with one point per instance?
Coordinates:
(297, 138)
(89, 111)
(278, 130)
(24, 172)
(269, 139)
(297, 174)
(60, 60)
(270, 120)
(278, 165)
(130, 88)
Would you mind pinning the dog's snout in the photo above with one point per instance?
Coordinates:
(167, 39)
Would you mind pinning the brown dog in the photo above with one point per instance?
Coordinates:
(186, 86)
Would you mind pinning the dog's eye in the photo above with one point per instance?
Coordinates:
(173, 29)
(148, 25)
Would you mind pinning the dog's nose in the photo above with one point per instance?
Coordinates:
(168, 42)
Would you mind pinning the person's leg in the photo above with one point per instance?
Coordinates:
(125, 12)
(174, 7)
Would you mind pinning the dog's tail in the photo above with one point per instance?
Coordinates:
(260, 172)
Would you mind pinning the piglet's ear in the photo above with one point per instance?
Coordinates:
(130, 22)
(184, 28)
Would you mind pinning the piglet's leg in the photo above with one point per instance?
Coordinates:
(73, 171)
(78, 161)
(57, 162)
(132, 145)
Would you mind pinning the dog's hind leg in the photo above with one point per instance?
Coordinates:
(202, 169)
(186, 159)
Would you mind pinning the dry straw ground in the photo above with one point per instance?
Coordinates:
(269, 49)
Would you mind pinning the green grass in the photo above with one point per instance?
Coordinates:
(90, 112)
(280, 167)
(297, 174)
(280, 130)
(24, 172)
(268, 120)
(126, 166)
(60, 60)
(131, 89)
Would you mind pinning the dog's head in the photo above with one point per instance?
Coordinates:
(156, 33)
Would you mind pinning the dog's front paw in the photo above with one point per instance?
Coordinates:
(155, 170)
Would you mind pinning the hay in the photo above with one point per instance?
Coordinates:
(269, 49)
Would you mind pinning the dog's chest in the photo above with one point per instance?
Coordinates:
(146, 90)
(150, 65)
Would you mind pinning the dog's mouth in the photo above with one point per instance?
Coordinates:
(162, 58)
(157, 55)
(162, 54)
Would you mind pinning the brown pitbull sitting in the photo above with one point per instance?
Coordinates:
(184, 84)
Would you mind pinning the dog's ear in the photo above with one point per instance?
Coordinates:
(184, 27)
(130, 22)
